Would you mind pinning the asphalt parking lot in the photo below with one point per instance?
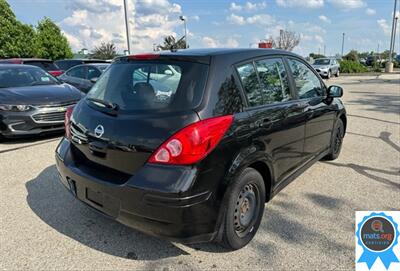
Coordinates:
(308, 226)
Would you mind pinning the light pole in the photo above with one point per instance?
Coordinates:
(182, 18)
(389, 64)
(127, 27)
(343, 43)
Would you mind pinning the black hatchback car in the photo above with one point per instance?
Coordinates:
(198, 163)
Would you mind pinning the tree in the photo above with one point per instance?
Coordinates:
(352, 56)
(51, 42)
(316, 56)
(287, 40)
(104, 51)
(16, 38)
(171, 43)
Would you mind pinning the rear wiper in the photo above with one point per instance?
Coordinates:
(112, 106)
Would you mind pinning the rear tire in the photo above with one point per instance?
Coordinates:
(243, 206)
(336, 141)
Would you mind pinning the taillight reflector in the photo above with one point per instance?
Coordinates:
(144, 56)
(192, 143)
(67, 121)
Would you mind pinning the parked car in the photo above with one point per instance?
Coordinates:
(66, 64)
(83, 76)
(200, 164)
(327, 67)
(32, 101)
(46, 64)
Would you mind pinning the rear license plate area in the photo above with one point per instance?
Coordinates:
(95, 197)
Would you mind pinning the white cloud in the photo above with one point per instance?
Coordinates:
(94, 21)
(209, 42)
(195, 18)
(347, 4)
(319, 39)
(236, 19)
(370, 11)
(301, 3)
(248, 6)
(384, 26)
(258, 19)
(324, 19)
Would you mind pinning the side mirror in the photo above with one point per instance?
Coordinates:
(335, 91)
(168, 72)
(94, 80)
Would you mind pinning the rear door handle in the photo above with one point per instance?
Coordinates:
(263, 122)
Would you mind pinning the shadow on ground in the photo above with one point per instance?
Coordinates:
(59, 209)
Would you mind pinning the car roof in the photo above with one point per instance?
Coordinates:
(13, 66)
(26, 59)
(204, 55)
(83, 60)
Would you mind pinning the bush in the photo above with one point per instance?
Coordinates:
(352, 55)
(349, 66)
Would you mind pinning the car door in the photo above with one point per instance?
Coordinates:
(76, 77)
(277, 121)
(92, 73)
(320, 114)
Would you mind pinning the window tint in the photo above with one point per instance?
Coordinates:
(307, 83)
(45, 65)
(93, 73)
(274, 81)
(136, 85)
(250, 83)
(78, 72)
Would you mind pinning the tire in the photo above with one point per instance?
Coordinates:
(243, 203)
(329, 75)
(337, 73)
(336, 141)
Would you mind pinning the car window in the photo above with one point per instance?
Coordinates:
(67, 64)
(25, 76)
(136, 85)
(274, 81)
(307, 83)
(251, 85)
(45, 65)
(93, 73)
(78, 72)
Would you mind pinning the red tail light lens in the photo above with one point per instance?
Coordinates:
(56, 73)
(67, 121)
(192, 143)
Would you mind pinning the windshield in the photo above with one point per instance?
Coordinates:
(24, 76)
(170, 86)
(322, 62)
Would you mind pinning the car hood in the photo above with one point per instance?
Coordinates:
(40, 95)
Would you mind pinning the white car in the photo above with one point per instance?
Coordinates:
(326, 67)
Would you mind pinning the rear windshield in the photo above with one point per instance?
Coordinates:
(67, 64)
(143, 86)
(47, 66)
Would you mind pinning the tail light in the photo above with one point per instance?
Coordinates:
(55, 73)
(148, 56)
(192, 143)
(67, 121)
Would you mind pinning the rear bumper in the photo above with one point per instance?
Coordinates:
(177, 216)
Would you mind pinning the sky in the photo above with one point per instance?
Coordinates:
(219, 23)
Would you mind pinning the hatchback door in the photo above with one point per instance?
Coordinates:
(320, 114)
(277, 121)
(122, 120)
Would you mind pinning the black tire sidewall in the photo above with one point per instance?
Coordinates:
(332, 155)
(230, 239)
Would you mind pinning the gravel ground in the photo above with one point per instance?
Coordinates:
(308, 226)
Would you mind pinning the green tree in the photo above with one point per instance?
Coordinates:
(51, 43)
(104, 51)
(16, 38)
(352, 56)
(171, 43)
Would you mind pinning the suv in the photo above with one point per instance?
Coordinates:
(66, 64)
(327, 67)
(198, 164)
(45, 64)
